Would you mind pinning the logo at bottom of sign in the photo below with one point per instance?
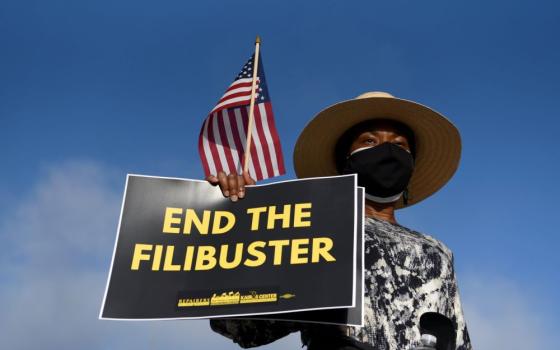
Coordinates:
(188, 299)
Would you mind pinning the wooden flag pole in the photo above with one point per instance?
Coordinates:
(252, 104)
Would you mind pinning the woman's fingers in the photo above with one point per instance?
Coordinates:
(213, 180)
(240, 186)
(223, 180)
(233, 188)
(248, 179)
(232, 185)
(244, 179)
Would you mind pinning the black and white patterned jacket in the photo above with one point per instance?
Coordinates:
(407, 275)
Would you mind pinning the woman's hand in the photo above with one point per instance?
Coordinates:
(232, 185)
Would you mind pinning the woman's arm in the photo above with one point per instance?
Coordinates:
(246, 333)
(251, 333)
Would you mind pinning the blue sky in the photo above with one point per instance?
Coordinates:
(90, 91)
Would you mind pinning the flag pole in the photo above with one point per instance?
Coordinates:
(252, 104)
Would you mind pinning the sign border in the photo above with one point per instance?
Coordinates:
(241, 314)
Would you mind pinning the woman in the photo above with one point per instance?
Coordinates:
(402, 152)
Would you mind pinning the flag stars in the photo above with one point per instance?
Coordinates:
(247, 73)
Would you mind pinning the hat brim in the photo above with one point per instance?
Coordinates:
(438, 143)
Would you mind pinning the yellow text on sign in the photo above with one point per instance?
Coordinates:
(177, 220)
(254, 254)
(296, 215)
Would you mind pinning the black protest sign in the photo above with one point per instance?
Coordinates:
(353, 316)
(184, 251)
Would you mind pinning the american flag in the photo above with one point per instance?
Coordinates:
(223, 136)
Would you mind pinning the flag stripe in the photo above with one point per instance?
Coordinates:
(275, 139)
(253, 150)
(232, 144)
(241, 127)
(212, 152)
(211, 149)
(225, 143)
(234, 102)
(259, 148)
(202, 139)
(264, 142)
(238, 96)
(269, 139)
(245, 91)
(238, 87)
(219, 146)
(241, 82)
(237, 136)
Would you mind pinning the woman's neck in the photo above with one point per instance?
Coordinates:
(381, 211)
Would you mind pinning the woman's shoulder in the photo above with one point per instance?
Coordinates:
(439, 244)
(395, 232)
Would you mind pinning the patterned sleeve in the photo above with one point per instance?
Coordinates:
(251, 333)
(463, 340)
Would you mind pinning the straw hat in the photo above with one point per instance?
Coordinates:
(438, 144)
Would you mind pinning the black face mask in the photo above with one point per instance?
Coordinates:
(383, 170)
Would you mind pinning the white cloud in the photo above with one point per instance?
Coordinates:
(501, 314)
(57, 245)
